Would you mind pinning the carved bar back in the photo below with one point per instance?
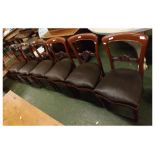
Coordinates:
(57, 48)
(138, 38)
(73, 42)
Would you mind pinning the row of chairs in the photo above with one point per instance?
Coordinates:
(52, 63)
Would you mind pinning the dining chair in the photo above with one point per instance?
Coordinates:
(20, 61)
(87, 74)
(46, 62)
(123, 86)
(31, 61)
(63, 61)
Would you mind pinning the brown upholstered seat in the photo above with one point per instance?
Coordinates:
(60, 70)
(28, 67)
(42, 68)
(121, 85)
(85, 75)
(16, 67)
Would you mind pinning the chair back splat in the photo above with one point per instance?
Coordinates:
(15, 48)
(138, 38)
(26, 50)
(57, 48)
(40, 50)
(84, 54)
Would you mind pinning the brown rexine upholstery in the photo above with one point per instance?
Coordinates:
(26, 69)
(42, 68)
(16, 67)
(60, 70)
(85, 75)
(121, 85)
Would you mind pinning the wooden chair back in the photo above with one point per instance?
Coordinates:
(39, 50)
(85, 37)
(57, 47)
(15, 48)
(138, 38)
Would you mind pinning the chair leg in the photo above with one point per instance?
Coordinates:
(74, 92)
(20, 79)
(135, 113)
(24, 79)
(52, 86)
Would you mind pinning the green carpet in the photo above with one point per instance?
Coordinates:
(70, 111)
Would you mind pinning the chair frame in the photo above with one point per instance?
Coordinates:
(49, 43)
(135, 37)
(23, 78)
(19, 58)
(37, 80)
(79, 37)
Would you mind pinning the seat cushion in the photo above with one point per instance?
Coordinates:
(16, 67)
(85, 75)
(121, 85)
(60, 70)
(42, 68)
(28, 67)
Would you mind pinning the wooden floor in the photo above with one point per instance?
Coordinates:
(17, 111)
(60, 33)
